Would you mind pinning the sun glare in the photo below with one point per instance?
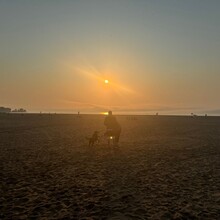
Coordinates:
(104, 113)
(106, 81)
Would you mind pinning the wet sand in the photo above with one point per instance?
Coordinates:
(164, 168)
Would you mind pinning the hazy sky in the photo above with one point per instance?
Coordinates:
(158, 55)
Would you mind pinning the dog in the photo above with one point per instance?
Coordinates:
(94, 139)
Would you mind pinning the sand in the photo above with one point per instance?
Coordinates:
(164, 168)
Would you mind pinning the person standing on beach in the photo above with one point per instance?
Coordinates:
(113, 127)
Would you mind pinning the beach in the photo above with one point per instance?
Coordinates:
(165, 167)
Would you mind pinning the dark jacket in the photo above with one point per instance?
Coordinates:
(111, 123)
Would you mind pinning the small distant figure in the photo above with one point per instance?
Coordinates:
(113, 128)
(193, 115)
(94, 139)
(157, 114)
(206, 115)
(78, 115)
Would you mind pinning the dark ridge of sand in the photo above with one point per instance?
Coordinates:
(164, 168)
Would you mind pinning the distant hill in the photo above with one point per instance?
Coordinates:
(4, 110)
(8, 110)
(19, 110)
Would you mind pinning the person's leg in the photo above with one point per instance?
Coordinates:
(117, 136)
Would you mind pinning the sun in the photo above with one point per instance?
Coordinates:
(106, 81)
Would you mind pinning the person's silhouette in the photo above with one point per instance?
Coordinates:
(113, 127)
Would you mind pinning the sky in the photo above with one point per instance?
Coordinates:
(159, 56)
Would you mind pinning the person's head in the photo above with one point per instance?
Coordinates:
(109, 112)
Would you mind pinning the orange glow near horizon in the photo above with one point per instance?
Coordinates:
(100, 87)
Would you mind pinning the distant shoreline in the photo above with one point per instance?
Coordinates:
(100, 114)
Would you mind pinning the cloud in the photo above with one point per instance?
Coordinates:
(84, 105)
(142, 107)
